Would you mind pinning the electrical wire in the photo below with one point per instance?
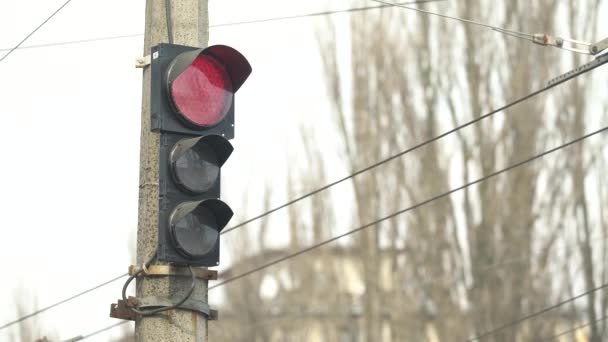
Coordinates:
(169, 21)
(36, 29)
(537, 313)
(418, 205)
(61, 302)
(317, 14)
(97, 332)
(573, 330)
(265, 20)
(162, 308)
(405, 210)
(409, 209)
(565, 78)
(76, 41)
(339, 181)
(466, 21)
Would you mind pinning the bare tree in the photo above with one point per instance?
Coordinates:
(461, 265)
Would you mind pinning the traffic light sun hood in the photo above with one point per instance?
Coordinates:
(201, 83)
(195, 162)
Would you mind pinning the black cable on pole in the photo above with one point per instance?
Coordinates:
(598, 62)
(402, 211)
(151, 312)
(20, 319)
(169, 21)
(162, 308)
(316, 14)
(36, 29)
(537, 313)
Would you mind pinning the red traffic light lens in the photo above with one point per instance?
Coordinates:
(203, 92)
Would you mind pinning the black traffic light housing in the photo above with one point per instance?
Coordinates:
(191, 215)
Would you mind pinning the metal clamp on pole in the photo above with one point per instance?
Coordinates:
(168, 270)
(142, 62)
(122, 309)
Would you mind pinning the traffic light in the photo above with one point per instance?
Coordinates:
(192, 105)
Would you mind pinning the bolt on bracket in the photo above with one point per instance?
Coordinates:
(121, 310)
(142, 62)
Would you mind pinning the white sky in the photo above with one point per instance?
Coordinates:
(70, 141)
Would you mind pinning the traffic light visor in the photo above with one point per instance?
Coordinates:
(196, 226)
(196, 162)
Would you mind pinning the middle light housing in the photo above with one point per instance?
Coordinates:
(196, 162)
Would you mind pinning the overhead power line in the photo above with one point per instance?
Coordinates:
(537, 313)
(405, 210)
(248, 22)
(96, 332)
(599, 61)
(20, 319)
(90, 40)
(573, 330)
(36, 29)
(318, 14)
(561, 79)
(418, 205)
(542, 39)
(466, 21)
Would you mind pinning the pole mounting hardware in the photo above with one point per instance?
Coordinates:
(122, 309)
(168, 270)
(142, 62)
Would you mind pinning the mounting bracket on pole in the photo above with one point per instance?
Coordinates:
(167, 270)
(121, 310)
(142, 62)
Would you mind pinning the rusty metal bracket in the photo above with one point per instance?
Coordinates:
(168, 270)
(121, 309)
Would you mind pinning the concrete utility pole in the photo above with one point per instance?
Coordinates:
(190, 27)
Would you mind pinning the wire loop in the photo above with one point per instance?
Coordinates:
(150, 312)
